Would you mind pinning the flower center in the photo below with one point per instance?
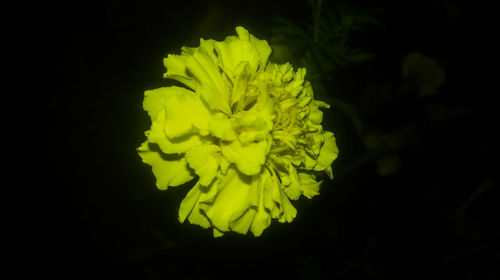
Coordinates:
(289, 126)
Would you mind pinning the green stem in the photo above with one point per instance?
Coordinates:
(317, 19)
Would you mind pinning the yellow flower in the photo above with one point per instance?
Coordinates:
(248, 129)
(423, 73)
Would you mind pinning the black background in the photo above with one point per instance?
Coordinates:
(82, 204)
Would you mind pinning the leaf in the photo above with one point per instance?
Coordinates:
(360, 55)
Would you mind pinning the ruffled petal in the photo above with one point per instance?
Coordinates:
(155, 100)
(272, 193)
(262, 47)
(205, 70)
(328, 152)
(176, 146)
(170, 171)
(288, 211)
(309, 186)
(214, 99)
(204, 160)
(198, 69)
(198, 217)
(234, 50)
(232, 199)
(189, 202)
(243, 223)
(196, 213)
(219, 125)
(217, 233)
(294, 189)
(177, 70)
(256, 123)
(248, 158)
(213, 88)
(239, 78)
(184, 114)
(262, 219)
(296, 85)
(280, 73)
(315, 115)
(307, 160)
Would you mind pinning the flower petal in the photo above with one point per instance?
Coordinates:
(214, 99)
(243, 223)
(213, 88)
(256, 123)
(204, 160)
(328, 152)
(234, 50)
(307, 160)
(263, 48)
(248, 158)
(155, 100)
(262, 219)
(294, 190)
(202, 67)
(219, 125)
(197, 215)
(280, 73)
(176, 146)
(272, 191)
(288, 210)
(189, 202)
(309, 186)
(177, 70)
(296, 85)
(315, 115)
(217, 233)
(239, 78)
(184, 114)
(169, 171)
(232, 199)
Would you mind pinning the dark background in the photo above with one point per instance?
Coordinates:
(82, 204)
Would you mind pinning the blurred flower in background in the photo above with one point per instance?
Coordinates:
(423, 74)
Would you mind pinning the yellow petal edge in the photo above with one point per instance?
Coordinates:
(248, 129)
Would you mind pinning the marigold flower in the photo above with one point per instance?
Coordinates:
(248, 129)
